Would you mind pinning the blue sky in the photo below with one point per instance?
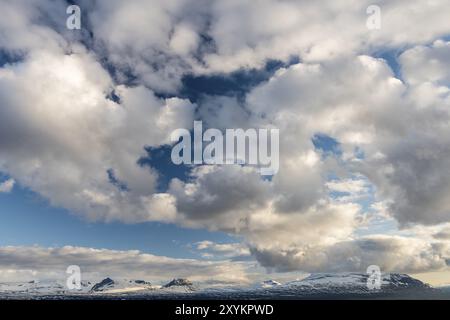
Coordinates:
(28, 219)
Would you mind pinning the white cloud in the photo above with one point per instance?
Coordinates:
(7, 185)
(159, 42)
(209, 249)
(219, 197)
(422, 64)
(50, 263)
(348, 99)
(60, 134)
(391, 253)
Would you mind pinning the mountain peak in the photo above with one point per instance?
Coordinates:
(357, 281)
(270, 283)
(179, 282)
(103, 285)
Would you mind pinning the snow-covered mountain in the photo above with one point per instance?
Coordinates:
(41, 288)
(180, 285)
(323, 285)
(354, 283)
(110, 286)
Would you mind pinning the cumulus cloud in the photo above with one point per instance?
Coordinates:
(61, 135)
(32, 26)
(146, 38)
(160, 42)
(388, 138)
(422, 64)
(151, 40)
(364, 107)
(220, 196)
(411, 157)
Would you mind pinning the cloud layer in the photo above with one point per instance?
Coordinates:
(22, 263)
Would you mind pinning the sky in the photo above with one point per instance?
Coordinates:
(86, 117)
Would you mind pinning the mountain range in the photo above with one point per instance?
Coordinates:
(315, 286)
